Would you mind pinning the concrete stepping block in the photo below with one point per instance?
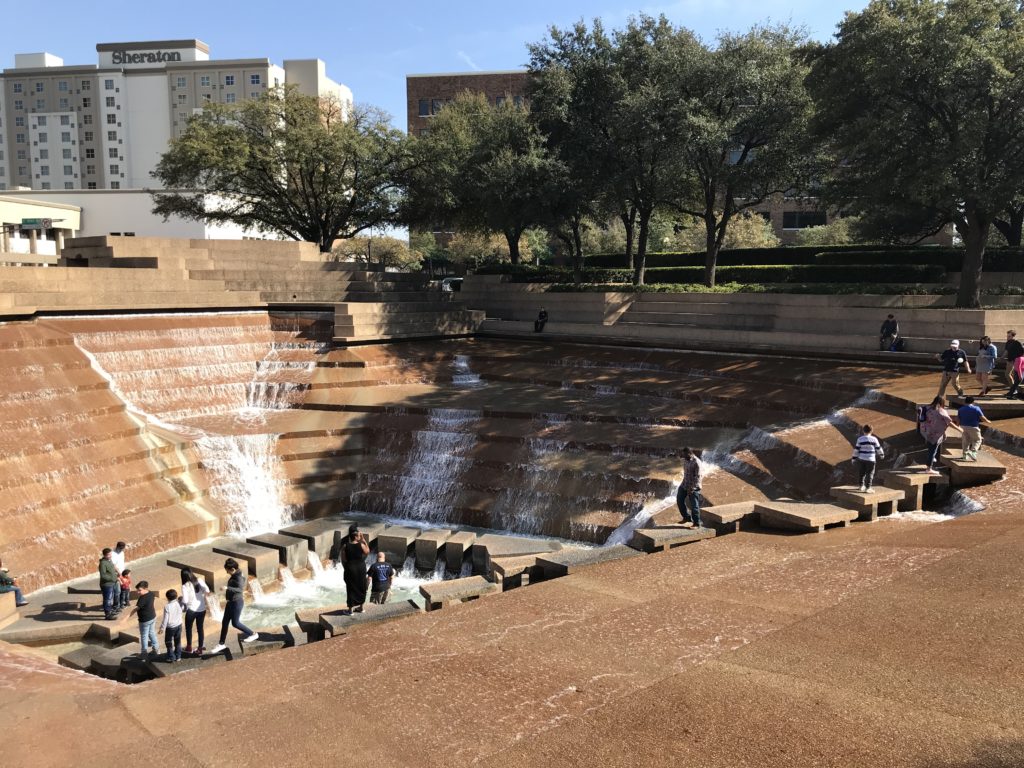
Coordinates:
(570, 560)
(80, 658)
(726, 518)
(205, 563)
(995, 407)
(513, 572)
(335, 623)
(798, 516)
(321, 536)
(492, 545)
(439, 594)
(296, 636)
(271, 639)
(664, 537)
(292, 552)
(395, 542)
(912, 481)
(107, 662)
(8, 609)
(159, 667)
(260, 562)
(427, 547)
(986, 469)
(456, 548)
(308, 620)
(869, 504)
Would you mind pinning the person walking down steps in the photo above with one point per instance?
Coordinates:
(866, 452)
(688, 495)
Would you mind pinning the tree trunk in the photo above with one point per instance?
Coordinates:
(628, 217)
(326, 243)
(1012, 225)
(641, 248)
(975, 235)
(577, 252)
(513, 246)
(712, 243)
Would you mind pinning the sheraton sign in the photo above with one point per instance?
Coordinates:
(144, 57)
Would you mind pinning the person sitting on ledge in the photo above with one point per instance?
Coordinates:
(888, 334)
(541, 321)
(10, 584)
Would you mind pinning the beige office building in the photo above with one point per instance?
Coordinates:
(105, 126)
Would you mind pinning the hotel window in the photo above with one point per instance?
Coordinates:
(66, 154)
(499, 100)
(43, 137)
(86, 102)
(19, 104)
(182, 82)
(40, 103)
(39, 86)
(229, 98)
(22, 170)
(44, 154)
(69, 185)
(63, 104)
(91, 185)
(90, 152)
(182, 98)
(110, 101)
(111, 119)
(41, 121)
(87, 136)
(19, 138)
(62, 86)
(108, 85)
(254, 79)
(424, 110)
(19, 121)
(86, 119)
(111, 135)
(115, 169)
(90, 170)
(68, 170)
(17, 87)
(65, 120)
(183, 116)
(204, 81)
(112, 152)
(44, 170)
(45, 185)
(802, 219)
(229, 79)
(21, 154)
(65, 137)
(115, 185)
(86, 85)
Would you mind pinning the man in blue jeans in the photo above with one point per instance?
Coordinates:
(10, 584)
(109, 584)
(688, 496)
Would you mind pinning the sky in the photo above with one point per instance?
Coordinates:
(372, 46)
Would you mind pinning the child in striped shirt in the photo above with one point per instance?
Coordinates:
(866, 451)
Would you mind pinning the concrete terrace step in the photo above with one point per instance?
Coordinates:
(441, 594)
(985, 470)
(668, 536)
(869, 504)
(803, 517)
(571, 560)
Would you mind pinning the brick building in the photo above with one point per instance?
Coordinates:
(427, 94)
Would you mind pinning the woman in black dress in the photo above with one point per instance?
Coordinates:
(353, 557)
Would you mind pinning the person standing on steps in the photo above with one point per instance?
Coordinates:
(1013, 351)
(353, 558)
(953, 359)
(866, 452)
(235, 599)
(170, 625)
(688, 495)
(380, 576)
(970, 418)
(934, 421)
(193, 595)
(117, 557)
(985, 363)
(146, 610)
(110, 584)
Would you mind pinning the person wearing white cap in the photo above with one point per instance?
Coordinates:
(952, 359)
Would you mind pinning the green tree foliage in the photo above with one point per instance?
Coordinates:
(923, 101)
(837, 232)
(379, 252)
(481, 168)
(746, 230)
(306, 168)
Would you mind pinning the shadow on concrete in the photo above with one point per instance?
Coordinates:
(992, 753)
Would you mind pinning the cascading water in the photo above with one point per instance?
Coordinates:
(256, 589)
(464, 376)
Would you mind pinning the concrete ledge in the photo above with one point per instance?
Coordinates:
(439, 594)
(335, 623)
(161, 668)
(271, 639)
(205, 563)
(8, 609)
(796, 516)
(666, 537)
(456, 547)
(571, 560)
(492, 545)
(727, 518)
(427, 546)
(984, 470)
(869, 505)
(308, 619)
(292, 552)
(261, 561)
(912, 481)
(321, 536)
(513, 572)
(395, 542)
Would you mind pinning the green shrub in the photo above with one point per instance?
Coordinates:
(804, 273)
(843, 289)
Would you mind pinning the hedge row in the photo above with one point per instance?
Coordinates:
(951, 259)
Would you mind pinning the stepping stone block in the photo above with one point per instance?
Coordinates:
(395, 542)
(726, 518)
(869, 504)
(321, 536)
(271, 639)
(260, 561)
(292, 552)
(995, 407)
(161, 668)
(205, 563)
(308, 619)
(427, 546)
(335, 623)
(456, 547)
(985, 470)
(570, 560)
(493, 545)
(8, 609)
(439, 594)
(296, 636)
(664, 537)
(80, 658)
(912, 481)
(513, 572)
(797, 516)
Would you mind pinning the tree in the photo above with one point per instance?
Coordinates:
(1010, 223)
(923, 103)
(747, 230)
(841, 231)
(476, 248)
(382, 252)
(304, 167)
(747, 117)
(481, 168)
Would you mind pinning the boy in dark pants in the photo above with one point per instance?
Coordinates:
(170, 624)
(866, 451)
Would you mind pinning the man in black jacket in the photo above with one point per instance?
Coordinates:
(1013, 350)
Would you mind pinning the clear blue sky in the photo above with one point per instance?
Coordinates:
(372, 46)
